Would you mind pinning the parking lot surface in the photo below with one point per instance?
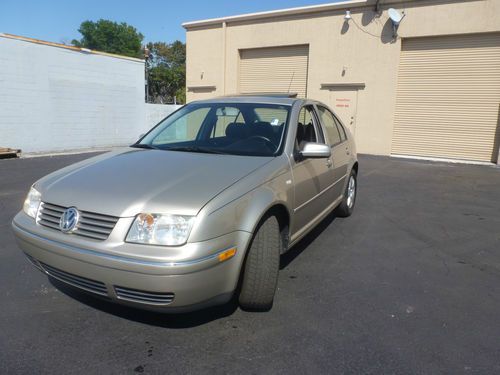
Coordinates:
(409, 284)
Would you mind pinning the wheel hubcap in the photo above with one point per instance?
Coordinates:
(351, 192)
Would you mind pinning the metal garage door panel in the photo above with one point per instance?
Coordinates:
(275, 69)
(448, 97)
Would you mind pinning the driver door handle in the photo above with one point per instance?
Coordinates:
(329, 163)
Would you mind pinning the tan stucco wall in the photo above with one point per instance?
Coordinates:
(364, 48)
(204, 62)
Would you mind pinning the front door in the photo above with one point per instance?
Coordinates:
(313, 177)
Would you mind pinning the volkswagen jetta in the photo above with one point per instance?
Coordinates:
(198, 209)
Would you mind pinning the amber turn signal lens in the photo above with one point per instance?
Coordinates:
(146, 219)
(225, 255)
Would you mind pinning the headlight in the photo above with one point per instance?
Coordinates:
(156, 229)
(32, 202)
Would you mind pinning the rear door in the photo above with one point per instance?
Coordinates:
(337, 139)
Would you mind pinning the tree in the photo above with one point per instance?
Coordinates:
(112, 37)
(166, 70)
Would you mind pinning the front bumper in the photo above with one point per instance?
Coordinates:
(160, 284)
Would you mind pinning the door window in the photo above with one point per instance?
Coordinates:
(341, 129)
(306, 128)
(328, 121)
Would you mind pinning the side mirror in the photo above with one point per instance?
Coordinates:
(315, 150)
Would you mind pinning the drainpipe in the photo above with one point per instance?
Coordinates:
(498, 137)
(224, 48)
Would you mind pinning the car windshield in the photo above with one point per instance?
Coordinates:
(222, 128)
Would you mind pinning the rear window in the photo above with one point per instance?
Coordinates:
(274, 116)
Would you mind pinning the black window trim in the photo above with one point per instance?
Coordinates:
(320, 138)
(316, 124)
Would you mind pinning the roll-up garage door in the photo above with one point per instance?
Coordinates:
(274, 70)
(448, 97)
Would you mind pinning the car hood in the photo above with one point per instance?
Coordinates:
(133, 181)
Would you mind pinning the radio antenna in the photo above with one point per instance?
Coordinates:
(291, 80)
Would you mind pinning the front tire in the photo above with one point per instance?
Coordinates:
(260, 274)
(346, 207)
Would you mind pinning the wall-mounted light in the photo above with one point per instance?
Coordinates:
(347, 16)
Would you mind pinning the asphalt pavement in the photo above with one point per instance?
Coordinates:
(410, 284)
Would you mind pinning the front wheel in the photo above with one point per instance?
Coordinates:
(346, 207)
(260, 273)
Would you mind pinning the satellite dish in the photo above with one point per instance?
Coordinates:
(395, 16)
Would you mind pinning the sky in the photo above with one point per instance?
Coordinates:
(58, 20)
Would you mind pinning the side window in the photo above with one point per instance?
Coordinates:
(341, 129)
(306, 131)
(329, 123)
(184, 129)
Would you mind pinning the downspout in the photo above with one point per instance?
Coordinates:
(224, 48)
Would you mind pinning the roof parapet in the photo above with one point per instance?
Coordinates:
(72, 48)
(277, 13)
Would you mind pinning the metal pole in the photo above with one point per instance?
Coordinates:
(146, 73)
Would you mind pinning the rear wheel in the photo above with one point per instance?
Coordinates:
(346, 207)
(260, 273)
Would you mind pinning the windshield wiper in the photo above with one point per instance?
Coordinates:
(195, 149)
(144, 145)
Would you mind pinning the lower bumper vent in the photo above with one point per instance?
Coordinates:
(76, 281)
(34, 262)
(140, 296)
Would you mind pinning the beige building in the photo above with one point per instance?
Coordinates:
(432, 90)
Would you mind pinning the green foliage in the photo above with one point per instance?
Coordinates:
(165, 65)
(166, 72)
(112, 37)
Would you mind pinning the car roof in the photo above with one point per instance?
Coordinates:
(280, 99)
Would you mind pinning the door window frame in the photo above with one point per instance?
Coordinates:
(320, 138)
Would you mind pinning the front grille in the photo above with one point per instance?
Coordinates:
(89, 225)
(140, 296)
(76, 281)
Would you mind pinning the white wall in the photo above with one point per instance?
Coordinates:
(54, 99)
(157, 112)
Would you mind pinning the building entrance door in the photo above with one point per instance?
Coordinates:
(344, 102)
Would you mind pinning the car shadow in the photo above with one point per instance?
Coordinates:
(182, 320)
(304, 243)
(164, 320)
